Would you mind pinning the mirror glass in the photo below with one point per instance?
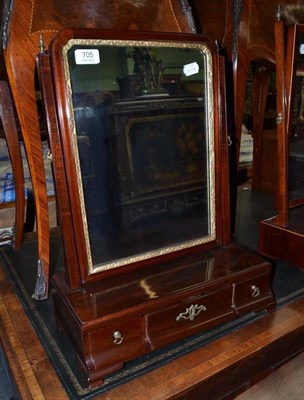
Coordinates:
(142, 116)
(296, 131)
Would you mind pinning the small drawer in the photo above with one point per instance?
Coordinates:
(252, 292)
(120, 342)
(190, 316)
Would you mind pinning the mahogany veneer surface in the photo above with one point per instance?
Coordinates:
(152, 307)
(284, 243)
(218, 370)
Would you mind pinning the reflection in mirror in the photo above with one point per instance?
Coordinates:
(296, 150)
(143, 128)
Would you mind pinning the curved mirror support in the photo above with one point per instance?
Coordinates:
(143, 137)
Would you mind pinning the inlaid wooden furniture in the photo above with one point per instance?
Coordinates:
(138, 136)
(245, 30)
(23, 21)
(283, 236)
(7, 116)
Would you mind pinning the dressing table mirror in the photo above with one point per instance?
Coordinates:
(137, 129)
(282, 236)
(295, 123)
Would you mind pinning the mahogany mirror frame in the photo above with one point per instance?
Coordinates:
(51, 68)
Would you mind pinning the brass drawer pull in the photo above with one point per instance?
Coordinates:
(191, 312)
(118, 338)
(255, 291)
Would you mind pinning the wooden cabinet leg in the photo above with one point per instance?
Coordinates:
(25, 102)
(7, 116)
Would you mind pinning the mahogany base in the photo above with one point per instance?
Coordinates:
(123, 317)
(284, 243)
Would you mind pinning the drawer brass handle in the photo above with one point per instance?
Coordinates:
(118, 338)
(191, 312)
(255, 291)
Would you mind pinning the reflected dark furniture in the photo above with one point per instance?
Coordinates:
(149, 192)
(148, 257)
(282, 236)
